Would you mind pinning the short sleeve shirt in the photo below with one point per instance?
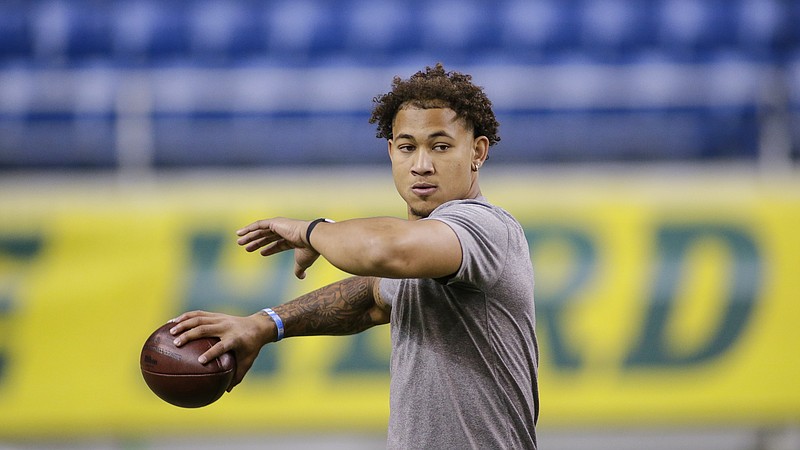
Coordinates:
(464, 351)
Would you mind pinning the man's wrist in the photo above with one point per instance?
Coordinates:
(311, 227)
(280, 330)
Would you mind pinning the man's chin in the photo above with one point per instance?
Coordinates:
(422, 209)
(420, 213)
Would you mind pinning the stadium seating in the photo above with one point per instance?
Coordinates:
(668, 79)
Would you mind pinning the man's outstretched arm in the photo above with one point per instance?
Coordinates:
(345, 307)
(379, 246)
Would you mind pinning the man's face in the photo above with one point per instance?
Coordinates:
(432, 154)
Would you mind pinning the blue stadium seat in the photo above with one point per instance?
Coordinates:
(767, 28)
(455, 27)
(537, 30)
(695, 28)
(149, 30)
(15, 30)
(227, 29)
(50, 25)
(368, 32)
(292, 27)
(617, 28)
(793, 79)
(89, 32)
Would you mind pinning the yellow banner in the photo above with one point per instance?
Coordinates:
(660, 301)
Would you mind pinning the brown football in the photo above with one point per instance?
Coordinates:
(174, 374)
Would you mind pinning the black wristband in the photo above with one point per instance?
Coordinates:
(311, 226)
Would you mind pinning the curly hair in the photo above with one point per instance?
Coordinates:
(435, 88)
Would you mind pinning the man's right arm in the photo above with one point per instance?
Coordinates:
(348, 306)
(345, 307)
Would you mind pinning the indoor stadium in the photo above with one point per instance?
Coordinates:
(650, 150)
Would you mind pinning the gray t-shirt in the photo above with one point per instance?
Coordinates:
(464, 350)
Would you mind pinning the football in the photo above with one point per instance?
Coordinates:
(174, 374)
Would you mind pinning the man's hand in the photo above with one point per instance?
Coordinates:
(243, 335)
(277, 235)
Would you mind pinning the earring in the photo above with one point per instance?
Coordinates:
(476, 166)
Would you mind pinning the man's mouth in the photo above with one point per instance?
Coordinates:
(423, 189)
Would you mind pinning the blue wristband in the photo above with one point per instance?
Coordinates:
(278, 322)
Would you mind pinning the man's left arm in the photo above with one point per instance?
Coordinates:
(381, 247)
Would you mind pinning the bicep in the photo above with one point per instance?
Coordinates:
(429, 249)
(390, 247)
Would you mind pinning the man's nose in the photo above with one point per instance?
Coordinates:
(423, 163)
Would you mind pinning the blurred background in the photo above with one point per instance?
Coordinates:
(650, 148)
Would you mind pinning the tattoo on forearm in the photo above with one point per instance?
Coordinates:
(337, 309)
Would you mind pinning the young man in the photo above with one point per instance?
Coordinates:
(455, 279)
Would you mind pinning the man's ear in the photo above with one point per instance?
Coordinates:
(480, 150)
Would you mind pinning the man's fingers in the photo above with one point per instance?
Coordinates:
(215, 351)
(278, 246)
(256, 236)
(257, 225)
(179, 321)
(182, 337)
(303, 259)
(240, 335)
(256, 244)
(243, 231)
(193, 328)
(261, 227)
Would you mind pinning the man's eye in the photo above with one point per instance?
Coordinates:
(406, 148)
(441, 147)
